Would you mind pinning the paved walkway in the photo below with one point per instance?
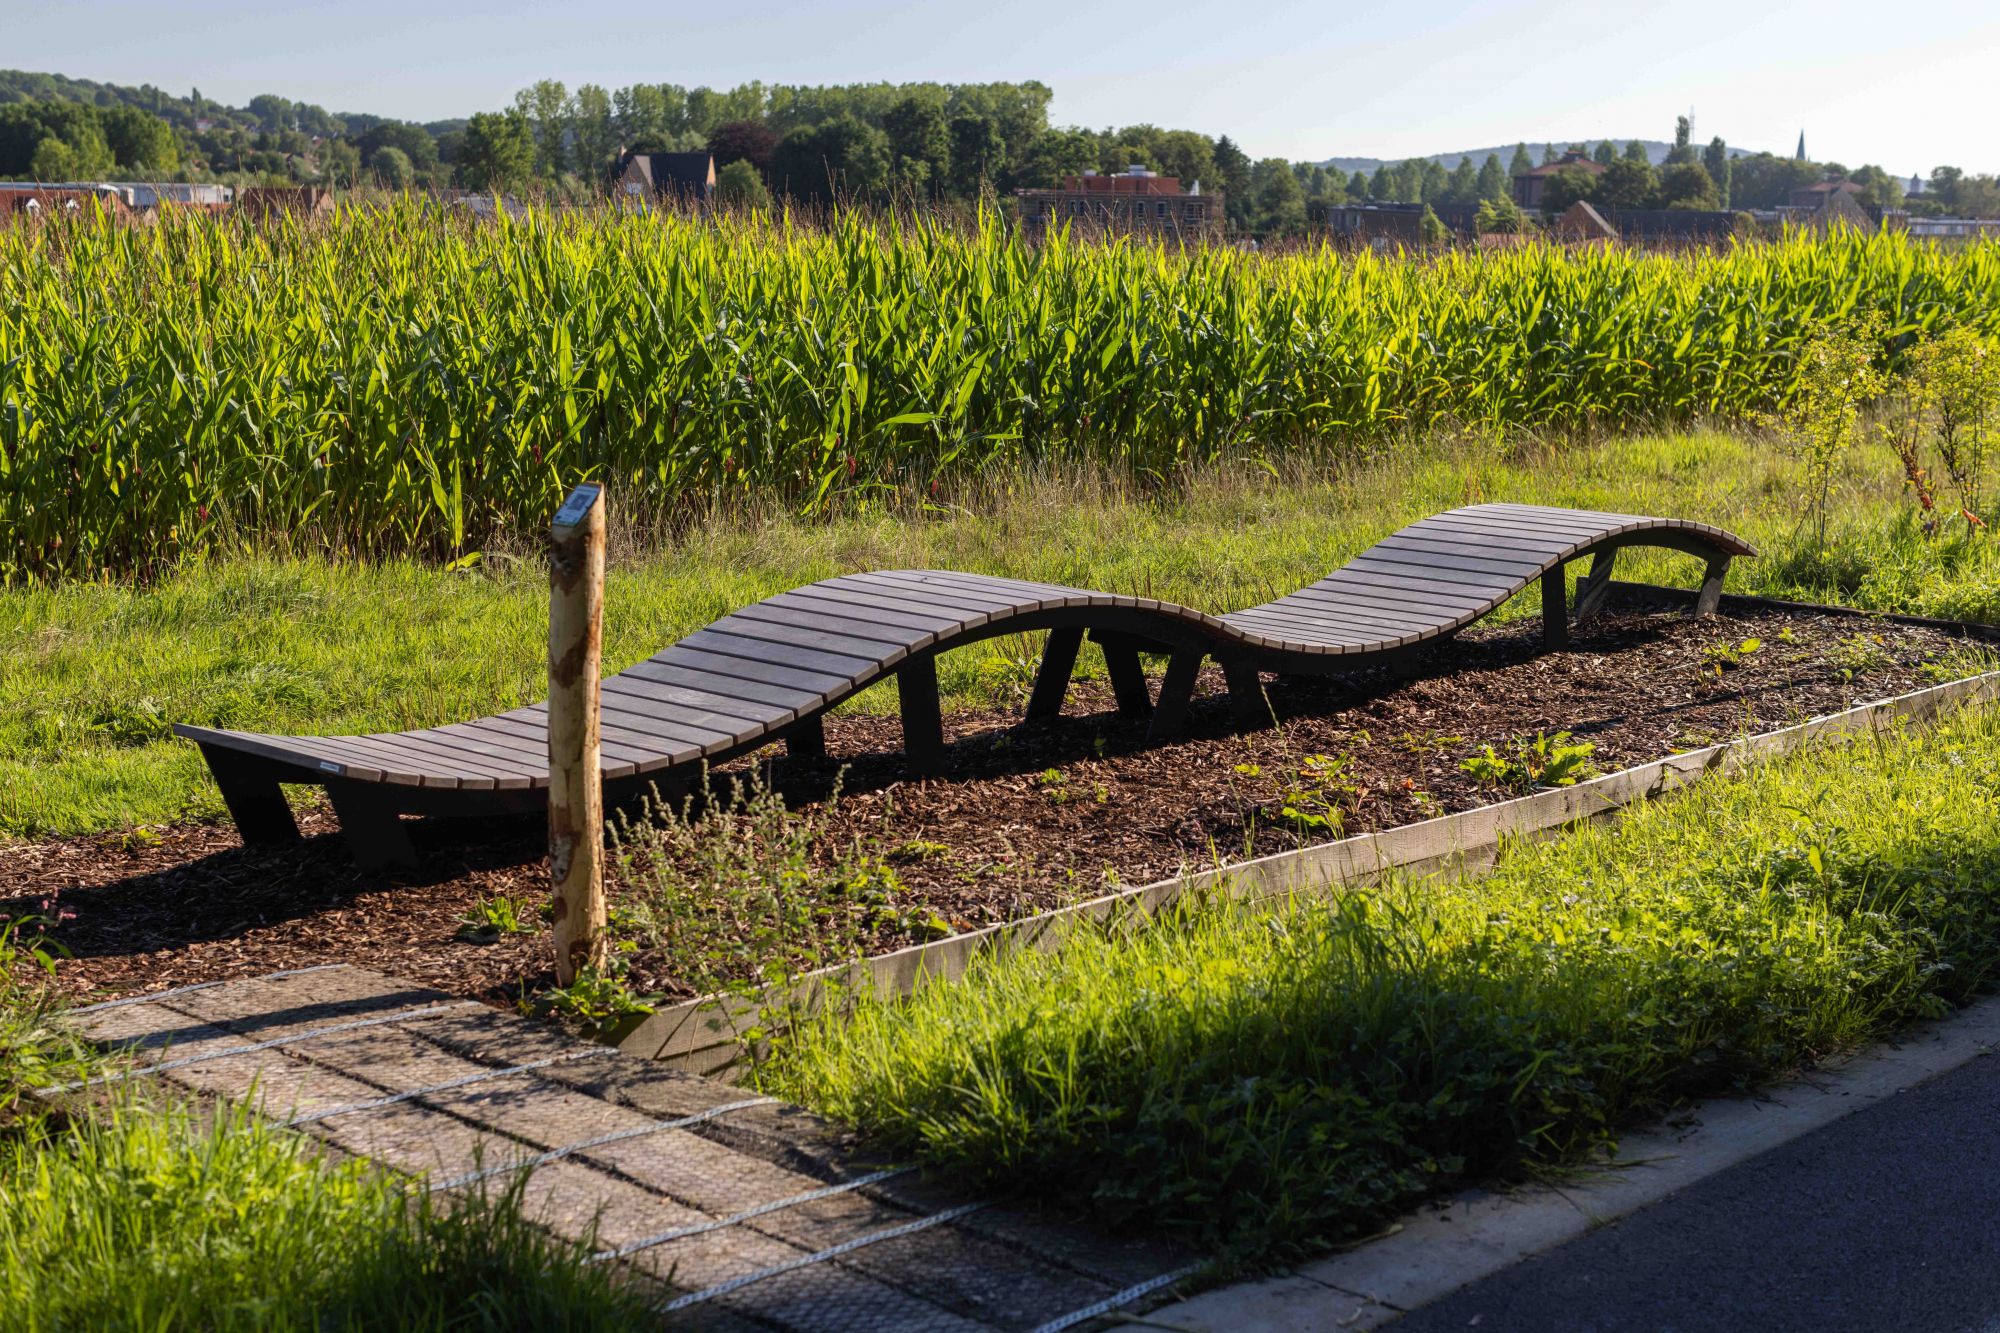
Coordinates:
(1885, 1220)
(1857, 1196)
(747, 1212)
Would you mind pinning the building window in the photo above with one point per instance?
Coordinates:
(1192, 211)
(1159, 210)
(1076, 207)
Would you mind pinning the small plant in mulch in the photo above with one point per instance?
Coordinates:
(1728, 656)
(1321, 794)
(1530, 765)
(1053, 785)
(491, 918)
(599, 997)
(1858, 654)
(1428, 742)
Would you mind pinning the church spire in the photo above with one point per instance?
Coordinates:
(1802, 145)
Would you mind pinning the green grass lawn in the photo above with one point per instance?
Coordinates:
(91, 675)
(151, 1217)
(1272, 1081)
(146, 1214)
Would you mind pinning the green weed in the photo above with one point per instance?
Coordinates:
(491, 918)
(1529, 765)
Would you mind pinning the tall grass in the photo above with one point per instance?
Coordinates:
(147, 1218)
(1274, 1080)
(393, 380)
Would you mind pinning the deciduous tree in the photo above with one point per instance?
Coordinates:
(392, 168)
(1686, 185)
(841, 157)
(738, 185)
(978, 154)
(497, 153)
(1715, 158)
(1628, 183)
(919, 142)
(1683, 149)
(1463, 187)
(750, 141)
(1280, 203)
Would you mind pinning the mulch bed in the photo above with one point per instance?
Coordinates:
(1028, 818)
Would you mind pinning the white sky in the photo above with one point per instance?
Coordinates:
(1907, 86)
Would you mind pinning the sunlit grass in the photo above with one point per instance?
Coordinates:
(155, 1217)
(1274, 1080)
(389, 381)
(92, 675)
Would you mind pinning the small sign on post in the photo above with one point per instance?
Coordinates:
(576, 782)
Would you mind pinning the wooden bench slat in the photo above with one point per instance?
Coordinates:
(1389, 594)
(1460, 555)
(873, 635)
(707, 703)
(1321, 606)
(621, 753)
(751, 695)
(878, 610)
(805, 649)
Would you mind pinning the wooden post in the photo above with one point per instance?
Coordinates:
(576, 782)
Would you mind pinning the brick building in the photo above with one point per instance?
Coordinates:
(1131, 202)
(275, 201)
(1530, 186)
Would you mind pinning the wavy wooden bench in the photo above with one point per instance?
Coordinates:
(770, 671)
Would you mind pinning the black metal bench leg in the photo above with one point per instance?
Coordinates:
(1555, 610)
(923, 721)
(1246, 694)
(805, 740)
(1128, 678)
(1052, 679)
(1176, 693)
(1709, 599)
(1594, 588)
(257, 803)
(373, 826)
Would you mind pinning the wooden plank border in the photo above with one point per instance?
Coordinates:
(705, 1035)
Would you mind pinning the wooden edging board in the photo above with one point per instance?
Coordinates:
(707, 1035)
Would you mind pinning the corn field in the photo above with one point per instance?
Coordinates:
(392, 380)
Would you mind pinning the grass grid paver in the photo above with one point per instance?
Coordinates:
(737, 1198)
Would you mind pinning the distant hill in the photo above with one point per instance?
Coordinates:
(265, 112)
(1656, 150)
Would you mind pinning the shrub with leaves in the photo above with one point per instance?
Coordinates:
(744, 889)
(1821, 422)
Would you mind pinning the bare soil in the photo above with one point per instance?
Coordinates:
(1027, 817)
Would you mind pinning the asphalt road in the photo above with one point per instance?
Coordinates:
(1888, 1219)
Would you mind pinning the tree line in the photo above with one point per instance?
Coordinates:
(923, 141)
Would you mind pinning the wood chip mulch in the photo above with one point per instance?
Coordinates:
(1027, 818)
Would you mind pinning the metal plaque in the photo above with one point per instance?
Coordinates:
(578, 505)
